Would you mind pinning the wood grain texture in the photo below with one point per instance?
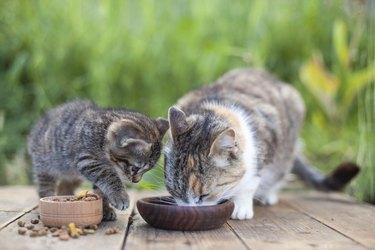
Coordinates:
(282, 227)
(302, 220)
(15, 201)
(142, 236)
(58, 213)
(8, 217)
(10, 240)
(353, 219)
(18, 198)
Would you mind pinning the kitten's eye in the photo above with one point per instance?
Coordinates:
(134, 168)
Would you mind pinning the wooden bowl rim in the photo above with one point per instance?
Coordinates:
(146, 200)
(47, 199)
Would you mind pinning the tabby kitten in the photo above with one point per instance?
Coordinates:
(104, 146)
(237, 139)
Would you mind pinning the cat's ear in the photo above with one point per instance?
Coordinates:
(135, 145)
(162, 125)
(225, 142)
(177, 122)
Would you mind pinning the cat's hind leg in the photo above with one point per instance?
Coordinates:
(46, 184)
(67, 187)
(272, 180)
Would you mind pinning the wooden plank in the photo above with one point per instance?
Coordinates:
(282, 227)
(352, 219)
(18, 198)
(141, 236)
(15, 201)
(12, 241)
(8, 217)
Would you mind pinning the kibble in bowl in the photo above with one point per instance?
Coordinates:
(84, 209)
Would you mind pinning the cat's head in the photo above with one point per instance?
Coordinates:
(202, 158)
(135, 144)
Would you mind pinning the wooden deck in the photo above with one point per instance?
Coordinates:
(302, 220)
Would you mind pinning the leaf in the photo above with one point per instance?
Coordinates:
(2, 119)
(321, 84)
(340, 43)
(357, 82)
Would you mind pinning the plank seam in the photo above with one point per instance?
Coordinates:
(130, 223)
(17, 217)
(238, 236)
(325, 224)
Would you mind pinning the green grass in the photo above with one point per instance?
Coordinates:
(145, 54)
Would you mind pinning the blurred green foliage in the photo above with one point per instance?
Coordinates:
(335, 91)
(145, 54)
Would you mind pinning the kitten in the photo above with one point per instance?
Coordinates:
(104, 146)
(237, 139)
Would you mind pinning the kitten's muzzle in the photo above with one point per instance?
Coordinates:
(137, 178)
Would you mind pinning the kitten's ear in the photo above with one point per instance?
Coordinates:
(162, 125)
(135, 145)
(224, 142)
(177, 122)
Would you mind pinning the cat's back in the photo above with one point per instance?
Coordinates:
(275, 108)
(56, 125)
(248, 88)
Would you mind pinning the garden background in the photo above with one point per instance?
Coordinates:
(146, 54)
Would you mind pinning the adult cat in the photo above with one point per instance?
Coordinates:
(237, 139)
(104, 146)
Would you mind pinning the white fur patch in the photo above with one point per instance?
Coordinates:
(242, 193)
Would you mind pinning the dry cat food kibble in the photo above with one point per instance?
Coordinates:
(34, 221)
(33, 234)
(64, 233)
(73, 231)
(22, 230)
(82, 196)
(21, 223)
(64, 236)
(112, 230)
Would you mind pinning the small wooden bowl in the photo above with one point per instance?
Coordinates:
(160, 212)
(59, 213)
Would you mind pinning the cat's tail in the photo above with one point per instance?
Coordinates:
(334, 181)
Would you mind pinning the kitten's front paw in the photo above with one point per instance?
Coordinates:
(109, 214)
(242, 211)
(119, 201)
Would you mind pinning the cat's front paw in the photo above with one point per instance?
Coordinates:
(242, 211)
(119, 201)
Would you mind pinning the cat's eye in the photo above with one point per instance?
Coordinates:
(201, 197)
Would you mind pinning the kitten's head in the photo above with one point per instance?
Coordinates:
(135, 144)
(202, 158)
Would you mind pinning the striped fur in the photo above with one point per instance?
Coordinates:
(104, 146)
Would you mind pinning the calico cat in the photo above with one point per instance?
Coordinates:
(237, 139)
(104, 146)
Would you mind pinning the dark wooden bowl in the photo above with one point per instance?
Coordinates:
(162, 212)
